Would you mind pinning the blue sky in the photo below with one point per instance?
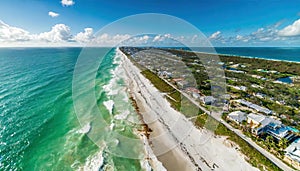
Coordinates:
(225, 23)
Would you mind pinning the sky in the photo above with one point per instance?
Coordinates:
(76, 22)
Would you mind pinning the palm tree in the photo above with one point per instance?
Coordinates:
(269, 141)
(283, 143)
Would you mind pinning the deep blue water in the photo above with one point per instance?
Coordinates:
(277, 53)
(274, 53)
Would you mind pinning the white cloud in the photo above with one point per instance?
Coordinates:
(86, 36)
(53, 14)
(194, 38)
(67, 2)
(291, 30)
(157, 38)
(144, 38)
(58, 33)
(239, 37)
(110, 40)
(12, 34)
(216, 35)
(161, 38)
(262, 35)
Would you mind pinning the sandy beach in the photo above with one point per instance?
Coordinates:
(174, 140)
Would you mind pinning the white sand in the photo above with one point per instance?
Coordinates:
(176, 142)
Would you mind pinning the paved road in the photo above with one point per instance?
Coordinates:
(238, 132)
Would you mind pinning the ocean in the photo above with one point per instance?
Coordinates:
(39, 129)
(274, 53)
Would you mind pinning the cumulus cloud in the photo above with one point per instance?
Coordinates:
(58, 33)
(216, 35)
(53, 14)
(86, 36)
(110, 40)
(67, 2)
(194, 38)
(264, 35)
(144, 39)
(291, 30)
(239, 37)
(161, 38)
(13, 34)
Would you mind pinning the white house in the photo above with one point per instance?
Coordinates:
(292, 154)
(257, 122)
(237, 116)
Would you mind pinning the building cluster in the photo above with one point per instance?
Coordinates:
(262, 125)
(171, 68)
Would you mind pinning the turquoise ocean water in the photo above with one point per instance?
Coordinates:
(39, 129)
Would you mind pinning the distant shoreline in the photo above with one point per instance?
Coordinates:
(251, 57)
(241, 56)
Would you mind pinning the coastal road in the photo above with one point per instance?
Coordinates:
(238, 132)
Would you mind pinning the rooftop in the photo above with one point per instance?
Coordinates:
(238, 116)
(254, 106)
(293, 150)
(256, 117)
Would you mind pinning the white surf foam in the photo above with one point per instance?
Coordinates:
(109, 88)
(94, 162)
(111, 126)
(109, 105)
(122, 115)
(84, 130)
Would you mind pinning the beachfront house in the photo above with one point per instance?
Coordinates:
(182, 84)
(242, 88)
(262, 124)
(255, 107)
(196, 95)
(279, 131)
(237, 116)
(164, 74)
(292, 154)
(257, 123)
(208, 100)
(194, 92)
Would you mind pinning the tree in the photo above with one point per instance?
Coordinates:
(269, 141)
(283, 143)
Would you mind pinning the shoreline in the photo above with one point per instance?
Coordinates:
(173, 160)
(172, 131)
(233, 55)
(248, 57)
